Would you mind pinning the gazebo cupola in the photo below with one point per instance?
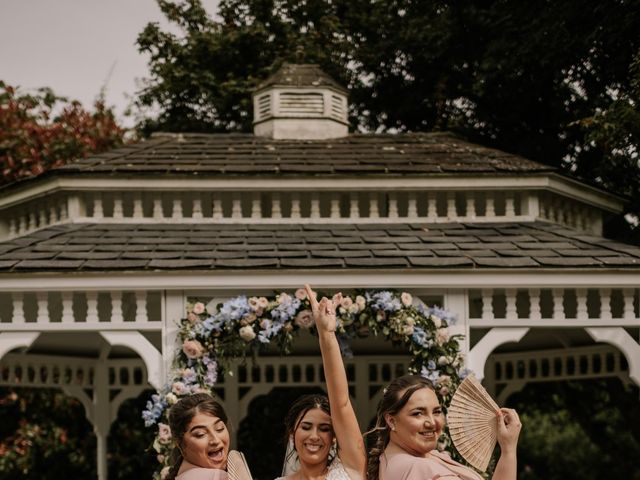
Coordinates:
(300, 102)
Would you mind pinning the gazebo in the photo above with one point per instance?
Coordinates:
(99, 258)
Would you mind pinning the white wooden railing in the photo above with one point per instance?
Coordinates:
(557, 307)
(291, 207)
(80, 310)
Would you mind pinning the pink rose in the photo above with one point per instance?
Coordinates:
(192, 348)
(301, 294)
(346, 303)
(198, 308)
(164, 473)
(263, 302)
(164, 433)
(179, 388)
(304, 319)
(442, 335)
(193, 318)
(406, 299)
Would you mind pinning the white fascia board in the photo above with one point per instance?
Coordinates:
(336, 279)
(545, 181)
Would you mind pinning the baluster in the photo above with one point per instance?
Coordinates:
(451, 205)
(487, 304)
(98, 209)
(116, 307)
(13, 231)
(18, 308)
(276, 210)
(118, 210)
(629, 313)
(67, 307)
(196, 212)
(256, 209)
(512, 310)
(412, 205)
(393, 205)
(217, 206)
(354, 209)
(432, 207)
(64, 212)
(582, 312)
(335, 205)
(534, 304)
(92, 306)
(470, 204)
(176, 211)
(374, 210)
(53, 214)
(236, 205)
(141, 306)
(137, 205)
(509, 205)
(158, 213)
(43, 310)
(22, 225)
(295, 205)
(42, 216)
(32, 220)
(558, 307)
(490, 208)
(315, 205)
(605, 304)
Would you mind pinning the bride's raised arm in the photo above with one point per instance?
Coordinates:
(351, 449)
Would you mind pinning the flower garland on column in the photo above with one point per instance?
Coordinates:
(245, 325)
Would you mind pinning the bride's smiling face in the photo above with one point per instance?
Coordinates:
(313, 436)
(206, 442)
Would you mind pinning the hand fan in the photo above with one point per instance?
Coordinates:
(237, 467)
(472, 422)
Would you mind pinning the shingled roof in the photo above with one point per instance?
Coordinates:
(300, 75)
(245, 154)
(91, 247)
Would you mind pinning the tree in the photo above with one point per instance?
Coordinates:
(42, 131)
(541, 79)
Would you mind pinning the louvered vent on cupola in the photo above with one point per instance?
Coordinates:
(300, 102)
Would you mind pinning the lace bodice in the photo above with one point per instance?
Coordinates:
(336, 471)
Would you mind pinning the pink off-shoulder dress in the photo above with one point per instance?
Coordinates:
(193, 472)
(437, 466)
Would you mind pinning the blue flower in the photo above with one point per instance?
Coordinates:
(154, 410)
(464, 373)
(286, 309)
(429, 374)
(445, 315)
(383, 300)
(420, 337)
(234, 309)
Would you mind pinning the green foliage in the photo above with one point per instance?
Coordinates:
(44, 435)
(588, 430)
(42, 131)
(547, 80)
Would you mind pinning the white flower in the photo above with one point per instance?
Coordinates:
(442, 335)
(443, 360)
(179, 388)
(263, 302)
(301, 294)
(171, 398)
(283, 298)
(361, 302)
(408, 330)
(437, 321)
(406, 299)
(198, 308)
(381, 315)
(164, 473)
(346, 303)
(192, 348)
(247, 333)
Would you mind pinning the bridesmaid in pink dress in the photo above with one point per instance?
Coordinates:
(199, 428)
(410, 420)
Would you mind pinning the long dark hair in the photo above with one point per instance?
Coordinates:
(395, 396)
(181, 414)
(298, 410)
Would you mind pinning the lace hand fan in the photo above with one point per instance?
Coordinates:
(472, 422)
(237, 467)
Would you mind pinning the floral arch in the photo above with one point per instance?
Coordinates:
(243, 326)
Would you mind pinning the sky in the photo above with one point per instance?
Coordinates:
(76, 47)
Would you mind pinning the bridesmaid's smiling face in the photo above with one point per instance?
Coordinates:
(314, 436)
(418, 425)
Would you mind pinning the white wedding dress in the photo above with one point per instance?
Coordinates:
(336, 471)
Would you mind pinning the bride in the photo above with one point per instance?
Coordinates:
(323, 436)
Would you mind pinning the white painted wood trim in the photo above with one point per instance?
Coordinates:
(374, 278)
(619, 338)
